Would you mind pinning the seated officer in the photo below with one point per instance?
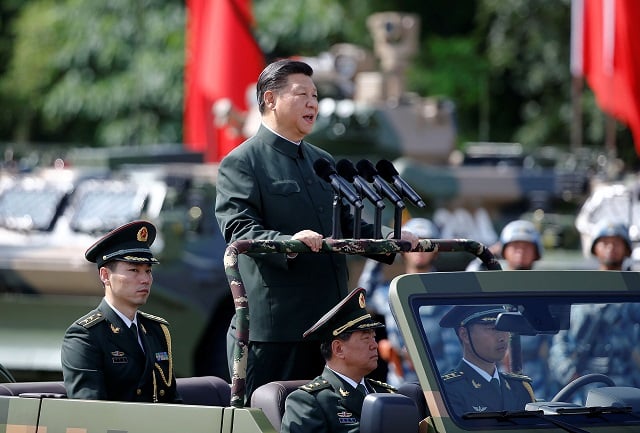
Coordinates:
(476, 385)
(116, 352)
(332, 402)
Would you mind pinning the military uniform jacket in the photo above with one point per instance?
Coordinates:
(102, 359)
(327, 404)
(467, 391)
(268, 190)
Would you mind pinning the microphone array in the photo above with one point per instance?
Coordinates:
(366, 181)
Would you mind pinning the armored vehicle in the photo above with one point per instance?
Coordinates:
(50, 216)
(586, 321)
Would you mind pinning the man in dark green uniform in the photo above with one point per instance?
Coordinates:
(332, 402)
(267, 189)
(117, 352)
(476, 384)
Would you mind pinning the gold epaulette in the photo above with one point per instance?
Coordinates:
(90, 319)
(517, 376)
(382, 384)
(152, 317)
(452, 375)
(316, 385)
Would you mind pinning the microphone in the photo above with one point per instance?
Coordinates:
(369, 172)
(391, 175)
(347, 170)
(325, 171)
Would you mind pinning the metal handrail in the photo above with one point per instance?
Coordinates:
(339, 246)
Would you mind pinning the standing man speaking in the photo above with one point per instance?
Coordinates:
(267, 190)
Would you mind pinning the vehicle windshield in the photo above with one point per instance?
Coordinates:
(31, 206)
(560, 351)
(99, 206)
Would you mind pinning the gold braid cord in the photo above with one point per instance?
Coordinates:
(168, 382)
(528, 387)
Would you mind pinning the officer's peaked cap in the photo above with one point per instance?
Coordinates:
(349, 315)
(130, 242)
(468, 314)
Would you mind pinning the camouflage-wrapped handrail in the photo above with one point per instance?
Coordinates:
(339, 246)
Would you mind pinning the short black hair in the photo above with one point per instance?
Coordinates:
(325, 346)
(274, 77)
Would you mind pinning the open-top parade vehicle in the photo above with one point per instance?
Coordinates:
(540, 305)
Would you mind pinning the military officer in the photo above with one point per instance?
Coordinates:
(476, 384)
(332, 402)
(117, 352)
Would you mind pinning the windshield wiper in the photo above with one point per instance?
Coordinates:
(508, 415)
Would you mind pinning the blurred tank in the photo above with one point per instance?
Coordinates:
(365, 109)
(48, 217)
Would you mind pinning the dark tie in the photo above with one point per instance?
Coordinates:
(134, 331)
(495, 384)
(362, 389)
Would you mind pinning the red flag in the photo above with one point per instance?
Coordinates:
(223, 62)
(611, 58)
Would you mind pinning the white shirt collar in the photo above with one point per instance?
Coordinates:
(124, 318)
(348, 379)
(483, 373)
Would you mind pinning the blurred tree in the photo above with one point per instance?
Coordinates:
(106, 73)
(527, 45)
(111, 73)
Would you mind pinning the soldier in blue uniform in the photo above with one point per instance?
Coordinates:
(117, 352)
(603, 338)
(332, 402)
(476, 384)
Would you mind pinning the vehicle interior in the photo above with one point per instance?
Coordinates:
(574, 333)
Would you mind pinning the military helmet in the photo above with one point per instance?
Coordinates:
(521, 230)
(608, 228)
(422, 227)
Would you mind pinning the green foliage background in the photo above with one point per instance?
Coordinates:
(110, 73)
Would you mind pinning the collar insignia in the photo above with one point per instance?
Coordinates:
(476, 385)
(343, 392)
(115, 329)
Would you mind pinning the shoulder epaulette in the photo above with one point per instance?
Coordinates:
(383, 385)
(316, 385)
(517, 376)
(90, 319)
(152, 317)
(452, 375)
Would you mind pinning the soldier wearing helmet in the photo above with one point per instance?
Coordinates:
(604, 338)
(476, 384)
(520, 246)
(611, 245)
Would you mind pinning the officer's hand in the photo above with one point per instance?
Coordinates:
(310, 238)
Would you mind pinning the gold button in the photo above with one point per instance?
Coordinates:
(139, 391)
(162, 393)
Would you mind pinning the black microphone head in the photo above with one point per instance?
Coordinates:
(346, 169)
(323, 169)
(366, 169)
(386, 170)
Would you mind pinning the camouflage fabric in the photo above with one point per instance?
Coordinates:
(341, 246)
